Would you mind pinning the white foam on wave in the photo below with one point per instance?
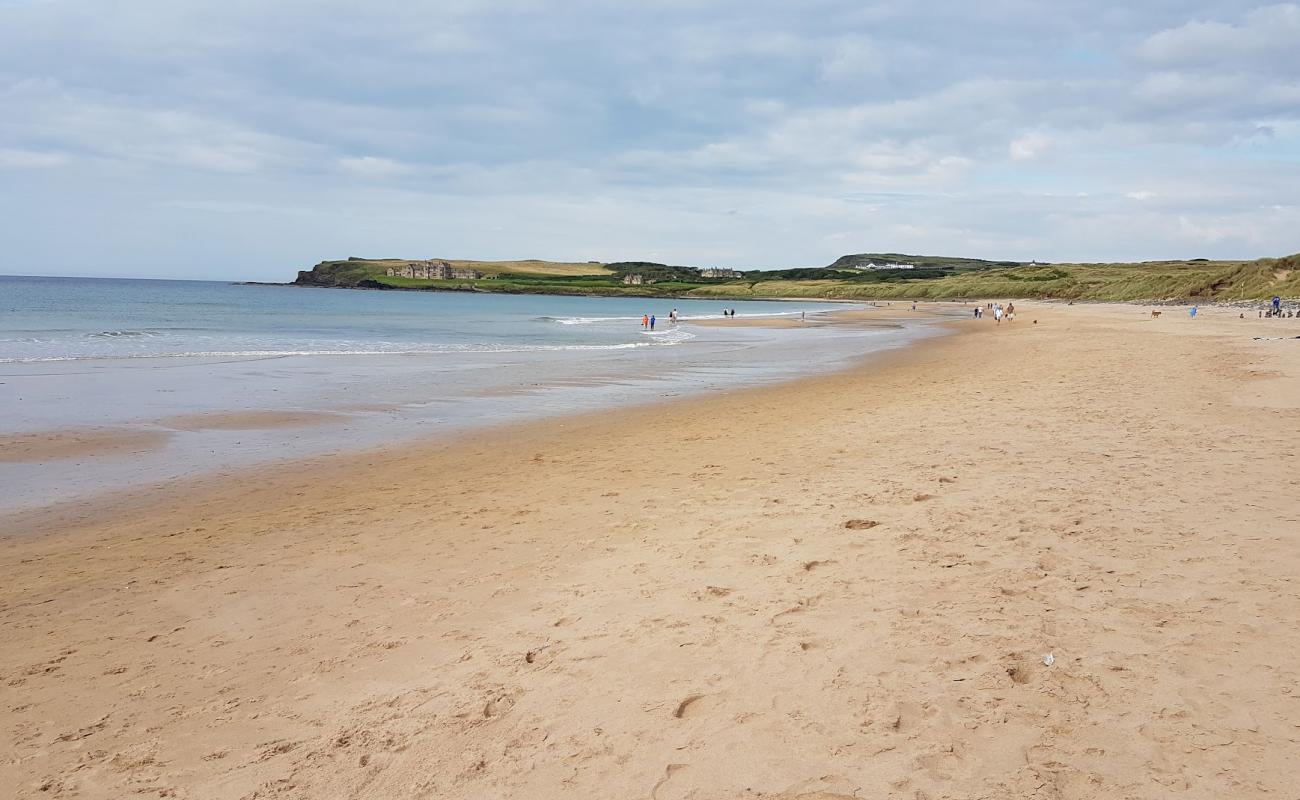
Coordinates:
(669, 335)
(591, 320)
(680, 317)
(147, 334)
(681, 336)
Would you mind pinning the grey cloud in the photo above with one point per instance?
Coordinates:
(605, 129)
(12, 158)
(1264, 37)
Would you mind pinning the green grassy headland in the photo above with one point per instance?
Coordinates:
(931, 277)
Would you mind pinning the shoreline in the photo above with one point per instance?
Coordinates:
(845, 584)
(48, 466)
(62, 443)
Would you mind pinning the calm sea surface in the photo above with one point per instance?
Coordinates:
(138, 355)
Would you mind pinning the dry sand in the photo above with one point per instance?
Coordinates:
(842, 587)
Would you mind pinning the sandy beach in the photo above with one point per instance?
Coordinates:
(1037, 560)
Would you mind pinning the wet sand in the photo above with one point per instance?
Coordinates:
(222, 416)
(146, 437)
(251, 420)
(881, 317)
(77, 444)
(839, 587)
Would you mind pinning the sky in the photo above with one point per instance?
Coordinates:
(245, 139)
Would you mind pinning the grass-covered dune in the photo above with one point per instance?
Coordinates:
(1150, 281)
(932, 277)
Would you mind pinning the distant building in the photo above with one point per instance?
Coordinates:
(874, 265)
(638, 280)
(433, 271)
(719, 272)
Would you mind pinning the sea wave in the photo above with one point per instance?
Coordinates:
(149, 334)
(669, 338)
(588, 320)
(681, 317)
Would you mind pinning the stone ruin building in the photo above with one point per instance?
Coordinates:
(433, 271)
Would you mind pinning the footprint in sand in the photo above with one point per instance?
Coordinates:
(82, 733)
(278, 748)
(497, 706)
(669, 771)
(1019, 674)
(684, 707)
(860, 524)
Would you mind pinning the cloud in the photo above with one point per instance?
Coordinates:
(1235, 96)
(603, 130)
(853, 57)
(1028, 146)
(374, 166)
(30, 159)
(1258, 40)
(118, 128)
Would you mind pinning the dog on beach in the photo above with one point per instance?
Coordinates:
(1155, 315)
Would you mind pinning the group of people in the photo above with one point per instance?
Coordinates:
(648, 320)
(1275, 310)
(999, 313)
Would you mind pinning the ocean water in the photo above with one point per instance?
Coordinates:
(152, 356)
(60, 319)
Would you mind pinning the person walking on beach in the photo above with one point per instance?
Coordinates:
(672, 317)
(997, 314)
(645, 321)
(652, 322)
